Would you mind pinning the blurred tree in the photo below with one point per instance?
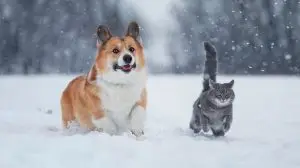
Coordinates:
(252, 36)
(248, 35)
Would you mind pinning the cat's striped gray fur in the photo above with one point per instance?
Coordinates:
(213, 108)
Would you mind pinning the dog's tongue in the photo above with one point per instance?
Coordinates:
(126, 67)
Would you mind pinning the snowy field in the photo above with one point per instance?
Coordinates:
(265, 131)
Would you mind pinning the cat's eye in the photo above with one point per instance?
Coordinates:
(219, 96)
(227, 96)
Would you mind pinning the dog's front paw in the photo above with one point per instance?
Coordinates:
(97, 129)
(106, 125)
(137, 120)
(137, 133)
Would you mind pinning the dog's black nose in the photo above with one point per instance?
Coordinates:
(127, 59)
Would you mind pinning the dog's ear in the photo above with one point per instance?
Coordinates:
(103, 33)
(133, 30)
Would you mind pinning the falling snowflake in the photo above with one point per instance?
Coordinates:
(287, 56)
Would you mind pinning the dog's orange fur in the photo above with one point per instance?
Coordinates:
(81, 99)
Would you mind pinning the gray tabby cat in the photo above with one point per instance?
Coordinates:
(213, 109)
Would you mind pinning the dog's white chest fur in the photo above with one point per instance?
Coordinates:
(119, 98)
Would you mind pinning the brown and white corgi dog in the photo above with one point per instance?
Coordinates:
(112, 97)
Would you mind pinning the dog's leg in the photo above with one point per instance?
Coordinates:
(104, 123)
(66, 111)
(136, 121)
(137, 116)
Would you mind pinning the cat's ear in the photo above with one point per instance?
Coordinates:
(212, 84)
(230, 84)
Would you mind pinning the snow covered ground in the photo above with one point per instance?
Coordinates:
(265, 131)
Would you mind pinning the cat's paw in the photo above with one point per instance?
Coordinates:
(205, 128)
(204, 124)
(227, 124)
(218, 133)
(195, 128)
(196, 131)
(226, 127)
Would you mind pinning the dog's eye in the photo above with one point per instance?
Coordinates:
(116, 51)
(131, 49)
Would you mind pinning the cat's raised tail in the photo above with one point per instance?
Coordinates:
(210, 66)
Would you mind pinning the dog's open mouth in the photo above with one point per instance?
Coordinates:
(125, 68)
